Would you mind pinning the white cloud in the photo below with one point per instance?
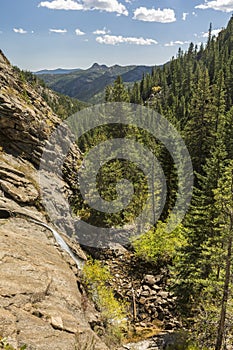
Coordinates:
(213, 32)
(106, 5)
(102, 5)
(152, 15)
(61, 5)
(59, 31)
(218, 5)
(101, 31)
(177, 42)
(19, 30)
(79, 32)
(184, 16)
(114, 40)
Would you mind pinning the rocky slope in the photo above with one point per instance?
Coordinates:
(41, 297)
(144, 288)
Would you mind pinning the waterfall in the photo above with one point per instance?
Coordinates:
(79, 262)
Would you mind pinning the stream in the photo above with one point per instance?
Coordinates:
(141, 345)
(158, 342)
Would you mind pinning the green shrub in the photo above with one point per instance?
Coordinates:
(96, 278)
(159, 245)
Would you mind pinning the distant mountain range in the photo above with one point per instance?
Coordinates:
(89, 84)
(56, 71)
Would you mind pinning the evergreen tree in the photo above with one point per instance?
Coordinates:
(224, 204)
(199, 131)
(196, 262)
(117, 92)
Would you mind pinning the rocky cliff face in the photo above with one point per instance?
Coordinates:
(42, 303)
(26, 121)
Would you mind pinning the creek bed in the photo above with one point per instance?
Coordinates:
(158, 342)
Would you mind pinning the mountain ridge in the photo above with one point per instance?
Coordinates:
(89, 84)
(60, 70)
(55, 71)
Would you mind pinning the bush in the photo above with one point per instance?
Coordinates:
(158, 245)
(96, 278)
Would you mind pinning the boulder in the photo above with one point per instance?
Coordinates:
(150, 280)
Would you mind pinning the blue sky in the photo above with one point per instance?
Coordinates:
(49, 34)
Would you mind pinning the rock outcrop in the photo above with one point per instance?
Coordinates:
(26, 120)
(41, 296)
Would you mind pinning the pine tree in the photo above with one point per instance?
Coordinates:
(224, 204)
(196, 262)
(199, 131)
(117, 92)
(135, 95)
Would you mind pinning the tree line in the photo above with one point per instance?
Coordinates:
(194, 91)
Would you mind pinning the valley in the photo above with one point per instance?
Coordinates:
(85, 267)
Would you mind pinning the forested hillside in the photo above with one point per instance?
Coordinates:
(194, 91)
